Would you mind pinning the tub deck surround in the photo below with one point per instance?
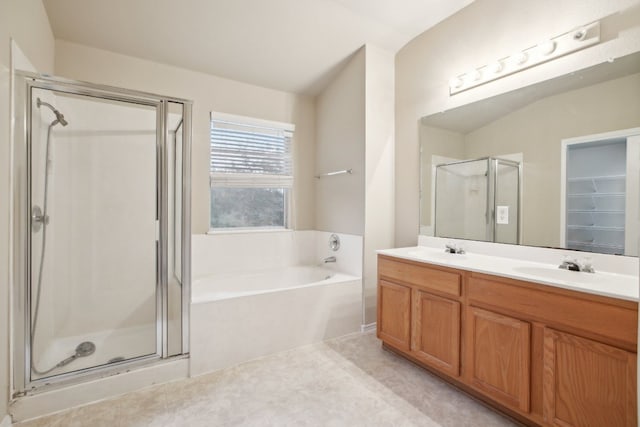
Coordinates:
(237, 285)
(622, 286)
(543, 345)
(258, 294)
(233, 327)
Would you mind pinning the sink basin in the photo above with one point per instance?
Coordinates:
(551, 273)
(438, 255)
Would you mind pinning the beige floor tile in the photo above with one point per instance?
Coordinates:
(349, 381)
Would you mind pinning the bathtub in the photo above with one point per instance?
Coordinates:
(236, 317)
(235, 285)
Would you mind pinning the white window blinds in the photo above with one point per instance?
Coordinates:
(250, 153)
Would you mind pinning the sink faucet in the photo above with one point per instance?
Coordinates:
(452, 248)
(330, 259)
(574, 265)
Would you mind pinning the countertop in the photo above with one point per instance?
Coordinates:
(599, 283)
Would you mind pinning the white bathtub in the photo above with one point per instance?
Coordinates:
(234, 285)
(242, 316)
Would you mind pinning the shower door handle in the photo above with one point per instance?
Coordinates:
(38, 219)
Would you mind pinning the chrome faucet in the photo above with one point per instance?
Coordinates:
(330, 259)
(452, 248)
(574, 265)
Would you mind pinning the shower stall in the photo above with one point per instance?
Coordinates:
(478, 200)
(101, 230)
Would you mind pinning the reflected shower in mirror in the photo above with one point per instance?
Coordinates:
(565, 200)
(478, 200)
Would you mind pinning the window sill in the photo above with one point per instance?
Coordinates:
(250, 231)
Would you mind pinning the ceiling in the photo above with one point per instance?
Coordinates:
(290, 45)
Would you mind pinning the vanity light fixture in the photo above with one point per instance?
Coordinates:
(553, 48)
(580, 34)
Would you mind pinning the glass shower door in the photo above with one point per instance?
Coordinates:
(94, 254)
(462, 193)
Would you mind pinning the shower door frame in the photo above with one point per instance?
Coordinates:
(492, 183)
(22, 384)
(495, 162)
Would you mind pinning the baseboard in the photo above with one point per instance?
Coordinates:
(368, 328)
(6, 421)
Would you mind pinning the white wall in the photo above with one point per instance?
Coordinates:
(26, 22)
(209, 93)
(445, 144)
(340, 142)
(425, 65)
(228, 254)
(537, 131)
(355, 130)
(379, 167)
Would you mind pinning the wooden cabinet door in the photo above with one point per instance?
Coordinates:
(394, 314)
(587, 383)
(498, 351)
(435, 331)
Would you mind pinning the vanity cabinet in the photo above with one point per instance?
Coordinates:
(394, 314)
(499, 356)
(587, 383)
(435, 331)
(430, 330)
(544, 355)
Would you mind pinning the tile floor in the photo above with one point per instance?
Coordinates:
(348, 381)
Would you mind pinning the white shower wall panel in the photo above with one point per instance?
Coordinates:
(102, 229)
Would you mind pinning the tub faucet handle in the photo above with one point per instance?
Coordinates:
(330, 259)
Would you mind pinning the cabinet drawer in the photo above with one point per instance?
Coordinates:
(431, 279)
(567, 310)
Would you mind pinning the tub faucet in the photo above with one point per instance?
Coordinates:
(330, 259)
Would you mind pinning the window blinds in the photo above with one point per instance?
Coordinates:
(250, 154)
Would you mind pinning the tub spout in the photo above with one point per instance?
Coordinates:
(330, 259)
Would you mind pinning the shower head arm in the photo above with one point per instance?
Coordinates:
(59, 116)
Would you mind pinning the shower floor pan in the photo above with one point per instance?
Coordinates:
(112, 346)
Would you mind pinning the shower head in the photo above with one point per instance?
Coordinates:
(59, 116)
(85, 349)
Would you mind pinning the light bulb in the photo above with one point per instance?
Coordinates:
(546, 47)
(496, 67)
(518, 58)
(455, 83)
(473, 75)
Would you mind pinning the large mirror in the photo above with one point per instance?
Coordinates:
(554, 164)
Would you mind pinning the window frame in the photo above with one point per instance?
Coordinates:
(288, 190)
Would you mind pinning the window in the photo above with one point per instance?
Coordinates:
(251, 173)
